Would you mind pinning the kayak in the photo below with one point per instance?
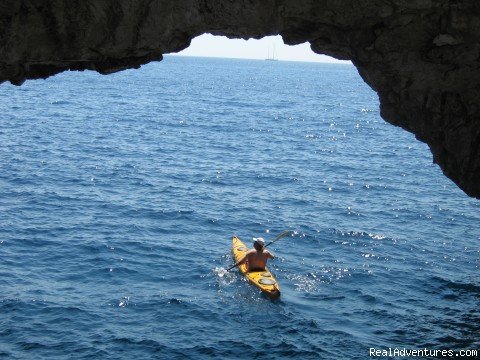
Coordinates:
(264, 280)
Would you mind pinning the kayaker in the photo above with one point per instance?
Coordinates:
(257, 257)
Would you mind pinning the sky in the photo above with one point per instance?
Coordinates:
(220, 46)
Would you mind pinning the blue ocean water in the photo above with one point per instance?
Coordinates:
(119, 195)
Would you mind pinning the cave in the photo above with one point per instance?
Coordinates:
(420, 56)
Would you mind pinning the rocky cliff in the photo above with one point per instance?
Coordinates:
(420, 56)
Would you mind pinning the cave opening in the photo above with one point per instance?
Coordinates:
(424, 72)
(208, 45)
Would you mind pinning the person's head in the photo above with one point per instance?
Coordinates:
(258, 243)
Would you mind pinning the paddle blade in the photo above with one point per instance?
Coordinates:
(221, 272)
(283, 234)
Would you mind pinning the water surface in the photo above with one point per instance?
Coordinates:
(119, 196)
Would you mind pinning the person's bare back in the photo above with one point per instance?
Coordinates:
(257, 260)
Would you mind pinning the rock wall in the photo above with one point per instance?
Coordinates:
(420, 56)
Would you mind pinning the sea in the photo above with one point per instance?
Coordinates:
(120, 194)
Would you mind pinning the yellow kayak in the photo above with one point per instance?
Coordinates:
(264, 280)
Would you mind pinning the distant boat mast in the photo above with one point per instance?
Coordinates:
(274, 55)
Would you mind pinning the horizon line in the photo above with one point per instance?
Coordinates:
(340, 62)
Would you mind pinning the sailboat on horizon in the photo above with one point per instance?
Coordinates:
(274, 55)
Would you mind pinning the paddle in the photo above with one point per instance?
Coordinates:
(282, 235)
